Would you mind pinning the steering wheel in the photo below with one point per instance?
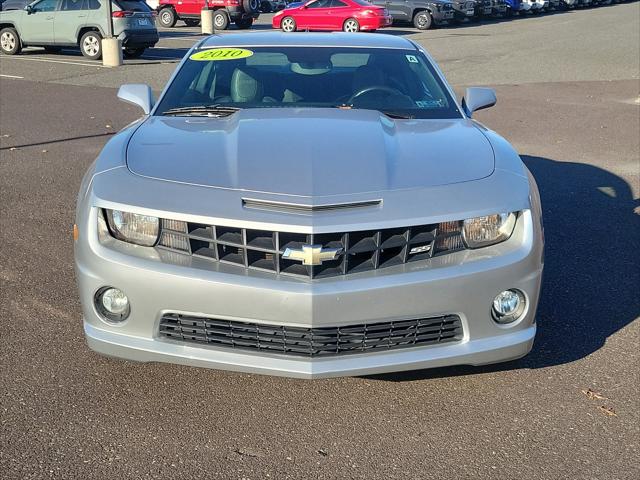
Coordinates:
(380, 88)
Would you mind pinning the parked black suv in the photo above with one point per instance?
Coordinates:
(422, 13)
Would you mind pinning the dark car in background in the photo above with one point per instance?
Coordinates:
(483, 8)
(423, 14)
(464, 10)
(498, 8)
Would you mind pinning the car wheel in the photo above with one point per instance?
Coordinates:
(245, 23)
(288, 24)
(133, 52)
(423, 20)
(10, 41)
(351, 25)
(220, 20)
(192, 22)
(52, 49)
(251, 6)
(91, 46)
(167, 17)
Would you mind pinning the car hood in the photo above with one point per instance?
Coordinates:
(310, 152)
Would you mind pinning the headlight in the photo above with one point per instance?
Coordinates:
(133, 228)
(482, 231)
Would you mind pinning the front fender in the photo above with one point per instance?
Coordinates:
(90, 27)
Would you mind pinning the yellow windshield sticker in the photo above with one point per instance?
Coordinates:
(216, 54)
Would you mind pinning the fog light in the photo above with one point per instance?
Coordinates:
(508, 306)
(112, 304)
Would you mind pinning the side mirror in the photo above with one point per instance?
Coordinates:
(137, 94)
(28, 9)
(477, 98)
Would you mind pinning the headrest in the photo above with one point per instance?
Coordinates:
(245, 86)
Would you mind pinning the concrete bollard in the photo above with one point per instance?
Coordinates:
(111, 52)
(206, 21)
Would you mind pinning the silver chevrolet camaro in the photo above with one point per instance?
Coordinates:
(309, 205)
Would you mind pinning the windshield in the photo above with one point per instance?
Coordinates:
(398, 82)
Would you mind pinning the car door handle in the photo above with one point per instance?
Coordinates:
(48, 18)
(81, 16)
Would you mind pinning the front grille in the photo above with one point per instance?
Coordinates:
(358, 251)
(311, 342)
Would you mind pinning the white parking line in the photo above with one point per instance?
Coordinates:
(47, 60)
(10, 76)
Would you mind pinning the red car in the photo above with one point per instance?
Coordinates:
(240, 12)
(347, 15)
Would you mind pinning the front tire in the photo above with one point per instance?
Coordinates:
(133, 52)
(167, 17)
(91, 45)
(351, 25)
(220, 20)
(10, 41)
(288, 24)
(423, 20)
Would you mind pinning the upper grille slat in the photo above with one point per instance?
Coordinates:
(319, 341)
(359, 251)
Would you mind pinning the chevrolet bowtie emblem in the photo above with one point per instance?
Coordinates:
(311, 254)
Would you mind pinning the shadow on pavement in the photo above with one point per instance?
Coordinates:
(591, 279)
(161, 54)
(173, 33)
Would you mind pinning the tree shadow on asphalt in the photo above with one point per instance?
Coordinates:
(591, 278)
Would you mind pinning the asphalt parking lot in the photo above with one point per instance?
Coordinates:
(569, 100)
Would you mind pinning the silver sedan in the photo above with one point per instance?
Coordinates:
(309, 205)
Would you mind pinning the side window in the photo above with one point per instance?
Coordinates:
(337, 4)
(91, 5)
(71, 5)
(46, 6)
(320, 4)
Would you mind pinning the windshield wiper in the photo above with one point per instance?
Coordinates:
(397, 115)
(388, 113)
(203, 111)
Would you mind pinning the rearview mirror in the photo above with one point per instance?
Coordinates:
(138, 94)
(477, 98)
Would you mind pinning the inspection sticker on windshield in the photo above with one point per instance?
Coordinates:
(411, 59)
(215, 54)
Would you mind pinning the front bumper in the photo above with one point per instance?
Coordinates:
(462, 283)
(463, 12)
(442, 16)
(139, 39)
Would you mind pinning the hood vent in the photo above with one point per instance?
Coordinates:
(303, 209)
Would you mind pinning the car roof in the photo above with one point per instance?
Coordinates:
(305, 39)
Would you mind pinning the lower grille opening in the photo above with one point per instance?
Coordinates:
(311, 342)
